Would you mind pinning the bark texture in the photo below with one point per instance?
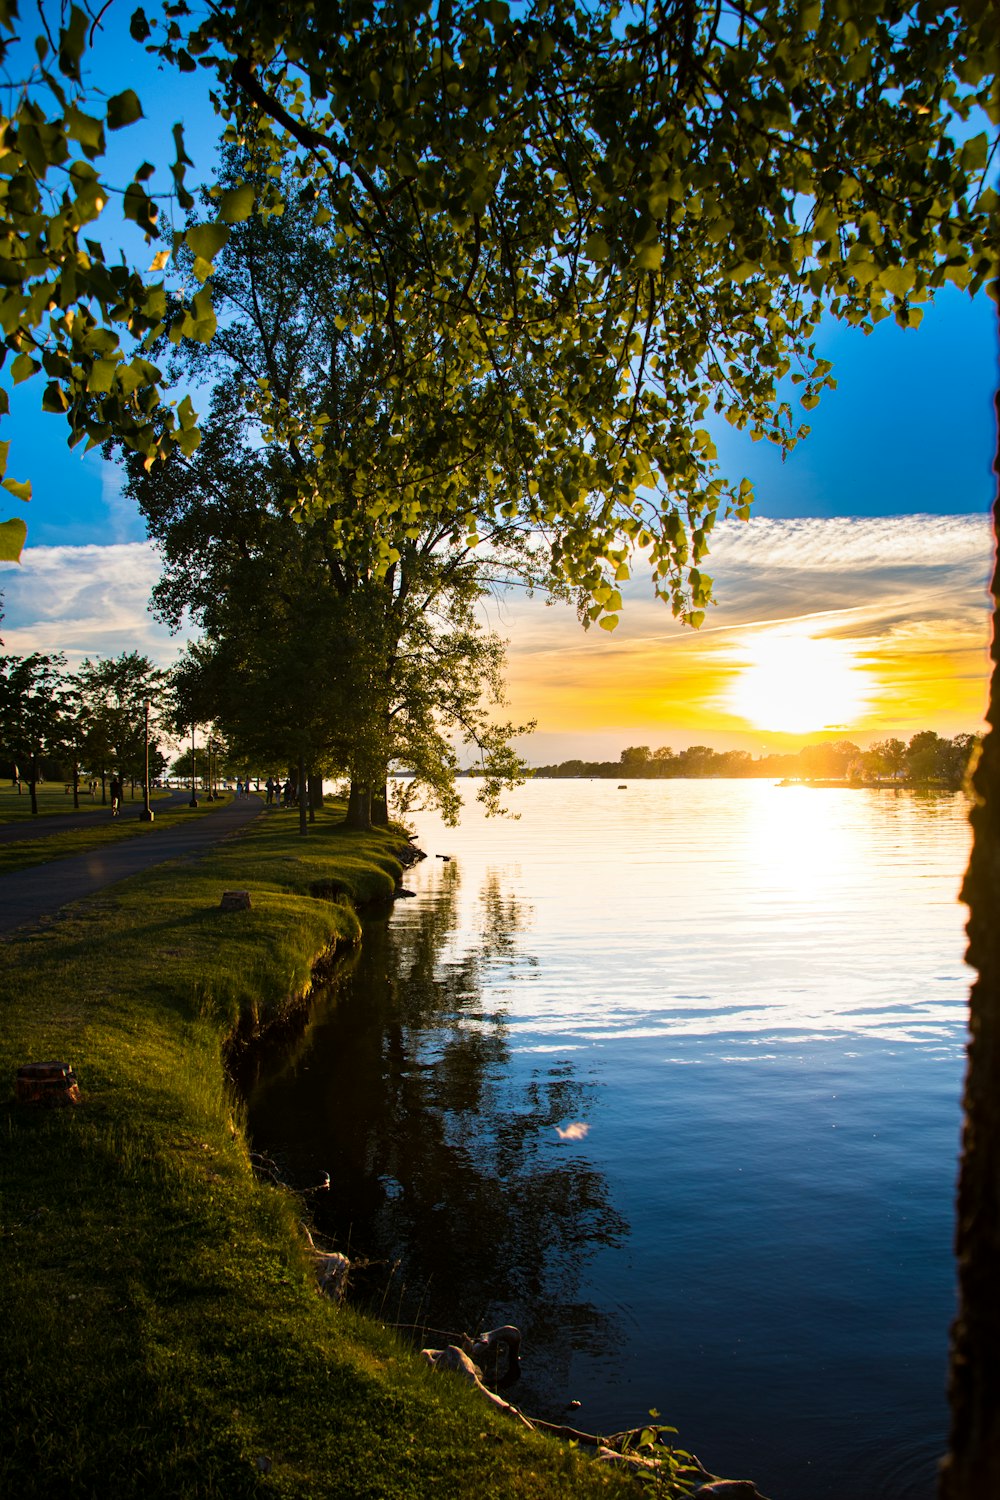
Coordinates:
(972, 1469)
(380, 806)
(359, 806)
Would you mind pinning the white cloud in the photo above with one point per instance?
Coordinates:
(85, 601)
(869, 569)
(867, 575)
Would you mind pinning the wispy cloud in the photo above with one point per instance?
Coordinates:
(906, 595)
(84, 601)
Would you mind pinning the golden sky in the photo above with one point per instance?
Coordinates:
(840, 627)
(825, 628)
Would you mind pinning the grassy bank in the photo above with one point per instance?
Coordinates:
(53, 799)
(34, 845)
(164, 1335)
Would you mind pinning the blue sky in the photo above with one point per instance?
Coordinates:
(910, 432)
(909, 429)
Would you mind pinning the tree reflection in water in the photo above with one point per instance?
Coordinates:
(402, 1089)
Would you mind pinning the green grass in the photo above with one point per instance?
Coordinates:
(53, 799)
(38, 847)
(163, 1334)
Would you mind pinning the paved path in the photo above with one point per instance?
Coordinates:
(38, 828)
(27, 895)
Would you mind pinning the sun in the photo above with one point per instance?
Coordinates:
(794, 683)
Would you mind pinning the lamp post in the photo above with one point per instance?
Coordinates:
(146, 816)
(194, 799)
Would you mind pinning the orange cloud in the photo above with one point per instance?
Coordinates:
(881, 623)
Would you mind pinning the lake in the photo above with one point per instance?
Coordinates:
(669, 1077)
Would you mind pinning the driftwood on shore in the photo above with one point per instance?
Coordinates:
(634, 1451)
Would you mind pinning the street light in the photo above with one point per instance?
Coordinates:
(146, 816)
(194, 799)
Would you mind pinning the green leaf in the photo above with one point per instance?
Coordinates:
(608, 622)
(23, 368)
(649, 258)
(101, 376)
(139, 26)
(72, 42)
(139, 207)
(973, 154)
(206, 240)
(19, 488)
(85, 129)
(236, 204)
(896, 279)
(13, 534)
(123, 109)
(203, 314)
(597, 248)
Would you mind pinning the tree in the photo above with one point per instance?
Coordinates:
(619, 216)
(635, 758)
(886, 757)
(31, 711)
(830, 760)
(972, 1467)
(278, 550)
(112, 693)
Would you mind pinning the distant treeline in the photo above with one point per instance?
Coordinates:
(927, 760)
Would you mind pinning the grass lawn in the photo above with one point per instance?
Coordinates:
(52, 798)
(37, 847)
(163, 1332)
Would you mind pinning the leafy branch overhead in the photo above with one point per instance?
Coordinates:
(614, 219)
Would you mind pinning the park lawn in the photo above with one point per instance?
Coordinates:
(52, 798)
(38, 847)
(164, 1332)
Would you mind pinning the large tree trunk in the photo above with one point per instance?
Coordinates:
(359, 806)
(303, 799)
(972, 1468)
(315, 796)
(380, 806)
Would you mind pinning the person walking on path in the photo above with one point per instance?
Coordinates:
(116, 796)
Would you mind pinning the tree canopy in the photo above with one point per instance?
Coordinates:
(315, 649)
(617, 218)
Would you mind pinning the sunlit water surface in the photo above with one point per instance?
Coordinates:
(749, 1001)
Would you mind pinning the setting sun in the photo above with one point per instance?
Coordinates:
(798, 684)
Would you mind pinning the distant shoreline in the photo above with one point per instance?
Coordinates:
(927, 761)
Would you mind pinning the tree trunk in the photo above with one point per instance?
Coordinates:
(76, 786)
(380, 806)
(972, 1469)
(33, 784)
(303, 799)
(104, 788)
(315, 796)
(359, 806)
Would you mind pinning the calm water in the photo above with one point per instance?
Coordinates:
(669, 1077)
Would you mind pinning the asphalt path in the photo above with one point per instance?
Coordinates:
(27, 895)
(26, 829)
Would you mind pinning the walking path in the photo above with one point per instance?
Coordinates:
(27, 895)
(92, 817)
